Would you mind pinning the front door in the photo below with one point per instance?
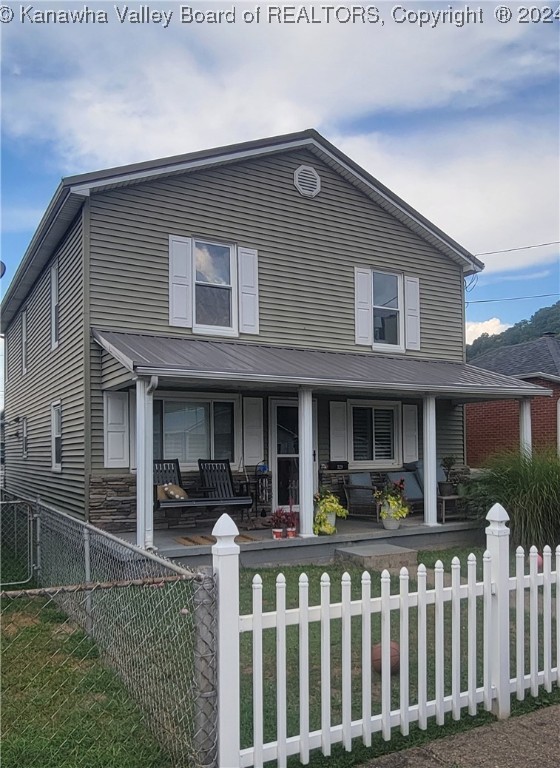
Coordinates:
(284, 452)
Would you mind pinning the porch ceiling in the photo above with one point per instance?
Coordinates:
(204, 360)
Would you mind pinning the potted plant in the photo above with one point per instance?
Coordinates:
(327, 509)
(447, 488)
(278, 522)
(393, 504)
(290, 519)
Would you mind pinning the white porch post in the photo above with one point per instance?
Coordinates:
(430, 461)
(305, 414)
(525, 443)
(145, 462)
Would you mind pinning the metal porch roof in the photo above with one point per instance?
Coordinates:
(236, 362)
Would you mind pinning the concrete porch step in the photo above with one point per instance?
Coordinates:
(377, 557)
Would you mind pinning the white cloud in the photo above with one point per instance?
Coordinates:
(491, 327)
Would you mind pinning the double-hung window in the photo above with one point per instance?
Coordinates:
(215, 306)
(374, 430)
(201, 428)
(56, 436)
(387, 310)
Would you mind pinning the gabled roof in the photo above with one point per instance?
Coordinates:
(231, 362)
(73, 190)
(539, 358)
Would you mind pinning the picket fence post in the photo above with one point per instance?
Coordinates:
(497, 544)
(225, 561)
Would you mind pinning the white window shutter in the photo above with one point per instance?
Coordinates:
(338, 432)
(253, 439)
(412, 312)
(410, 433)
(248, 270)
(363, 306)
(132, 427)
(180, 281)
(115, 431)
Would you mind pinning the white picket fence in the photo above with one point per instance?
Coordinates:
(459, 651)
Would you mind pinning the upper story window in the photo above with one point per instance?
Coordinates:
(215, 305)
(24, 341)
(213, 287)
(54, 306)
(387, 310)
(56, 436)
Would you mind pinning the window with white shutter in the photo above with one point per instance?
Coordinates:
(253, 437)
(116, 433)
(410, 433)
(338, 431)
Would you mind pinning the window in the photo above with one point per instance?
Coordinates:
(374, 434)
(54, 306)
(56, 436)
(214, 277)
(24, 437)
(387, 310)
(24, 341)
(213, 287)
(202, 428)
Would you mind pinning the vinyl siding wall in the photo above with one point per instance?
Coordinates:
(307, 252)
(51, 375)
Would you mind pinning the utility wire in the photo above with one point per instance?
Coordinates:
(521, 248)
(514, 298)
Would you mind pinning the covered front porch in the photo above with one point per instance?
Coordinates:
(298, 412)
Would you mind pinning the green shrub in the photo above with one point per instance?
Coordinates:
(528, 487)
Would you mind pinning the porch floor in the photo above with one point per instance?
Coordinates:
(259, 549)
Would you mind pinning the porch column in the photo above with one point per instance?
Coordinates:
(305, 415)
(145, 462)
(525, 445)
(430, 461)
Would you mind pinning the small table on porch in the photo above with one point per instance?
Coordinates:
(443, 500)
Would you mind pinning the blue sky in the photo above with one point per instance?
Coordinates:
(463, 123)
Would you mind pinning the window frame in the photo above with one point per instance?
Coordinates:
(379, 346)
(392, 405)
(206, 397)
(24, 341)
(55, 305)
(24, 438)
(56, 466)
(217, 330)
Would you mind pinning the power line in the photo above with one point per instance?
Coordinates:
(514, 298)
(521, 248)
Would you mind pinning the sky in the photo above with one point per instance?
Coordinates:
(462, 121)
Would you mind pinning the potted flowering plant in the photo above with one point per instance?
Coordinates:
(393, 505)
(327, 509)
(278, 521)
(290, 521)
(447, 464)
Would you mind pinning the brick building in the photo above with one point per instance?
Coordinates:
(493, 426)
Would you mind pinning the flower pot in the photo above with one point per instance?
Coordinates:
(391, 524)
(331, 518)
(291, 533)
(277, 533)
(446, 489)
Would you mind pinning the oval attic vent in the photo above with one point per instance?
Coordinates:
(307, 181)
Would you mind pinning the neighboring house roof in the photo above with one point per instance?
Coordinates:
(73, 191)
(539, 358)
(197, 359)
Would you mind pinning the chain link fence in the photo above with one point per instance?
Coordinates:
(108, 655)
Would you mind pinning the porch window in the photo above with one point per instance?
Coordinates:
(373, 438)
(213, 285)
(387, 309)
(194, 429)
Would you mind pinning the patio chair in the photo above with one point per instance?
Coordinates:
(418, 468)
(217, 480)
(358, 490)
(412, 491)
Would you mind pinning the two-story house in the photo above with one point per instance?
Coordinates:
(267, 301)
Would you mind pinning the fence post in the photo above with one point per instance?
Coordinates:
(205, 670)
(87, 575)
(497, 543)
(225, 561)
(37, 516)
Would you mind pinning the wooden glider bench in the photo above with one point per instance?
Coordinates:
(216, 485)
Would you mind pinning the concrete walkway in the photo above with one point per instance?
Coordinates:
(527, 741)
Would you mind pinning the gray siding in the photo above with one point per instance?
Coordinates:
(51, 375)
(113, 374)
(307, 252)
